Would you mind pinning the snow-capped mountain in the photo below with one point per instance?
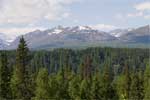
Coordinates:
(60, 36)
(120, 32)
(69, 36)
(138, 35)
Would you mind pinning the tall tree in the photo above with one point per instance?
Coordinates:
(119, 86)
(107, 91)
(85, 89)
(147, 82)
(42, 87)
(127, 81)
(62, 85)
(87, 68)
(21, 80)
(74, 87)
(53, 86)
(96, 86)
(5, 92)
(137, 87)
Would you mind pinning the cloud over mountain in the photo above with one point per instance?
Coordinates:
(27, 11)
(103, 27)
(143, 6)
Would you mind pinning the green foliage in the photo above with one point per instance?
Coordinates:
(53, 86)
(92, 73)
(127, 82)
(137, 87)
(20, 82)
(120, 86)
(5, 75)
(42, 86)
(96, 86)
(107, 90)
(62, 84)
(85, 89)
(74, 87)
(147, 82)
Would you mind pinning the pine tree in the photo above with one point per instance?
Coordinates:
(20, 81)
(96, 86)
(81, 70)
(137, 87)
(64, 75)
(127, 81)
(62, 92)
(42, 86)
(85, 89)
(53, 86)
(107, 90)
(86, 68)
(67, 67)
(119, 85)
(74, 87)
(147, 82)
(5, 91)
(141, 85)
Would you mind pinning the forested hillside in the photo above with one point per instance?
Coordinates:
(92, 73)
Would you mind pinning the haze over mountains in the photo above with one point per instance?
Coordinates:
(75, 36)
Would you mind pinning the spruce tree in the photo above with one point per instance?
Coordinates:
(137, 87)
(96, 86)
(5, 91)
(141, 85)
(127, 81)
(20, 81)
(74, 87)
(86, 68)
(42, 87)
(107, 91)
(53, 86)
(85, 89)
(147, 82)
(119, 86)
(62, 92)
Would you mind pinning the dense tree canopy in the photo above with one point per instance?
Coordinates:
(92, 73)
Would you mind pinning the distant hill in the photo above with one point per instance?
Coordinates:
(139, 35)
(79, 36)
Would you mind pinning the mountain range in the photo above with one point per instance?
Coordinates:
(79, 36)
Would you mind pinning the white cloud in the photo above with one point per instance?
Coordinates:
(141, 10)
(104, 27)
(66, 15)
(30, 11)
(143, 6)
(138, 14)
(147, 17)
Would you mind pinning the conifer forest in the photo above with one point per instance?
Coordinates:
(96, 73)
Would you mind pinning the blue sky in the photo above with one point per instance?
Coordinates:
(20, 16)
(107, 12)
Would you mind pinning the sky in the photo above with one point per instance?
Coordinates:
(21, 16)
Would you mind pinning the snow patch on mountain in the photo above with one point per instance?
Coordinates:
(116, 34)
(119, 32)
(57, 31)
(84, 28)
(58, 35)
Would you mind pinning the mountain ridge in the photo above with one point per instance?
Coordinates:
(60, 36)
